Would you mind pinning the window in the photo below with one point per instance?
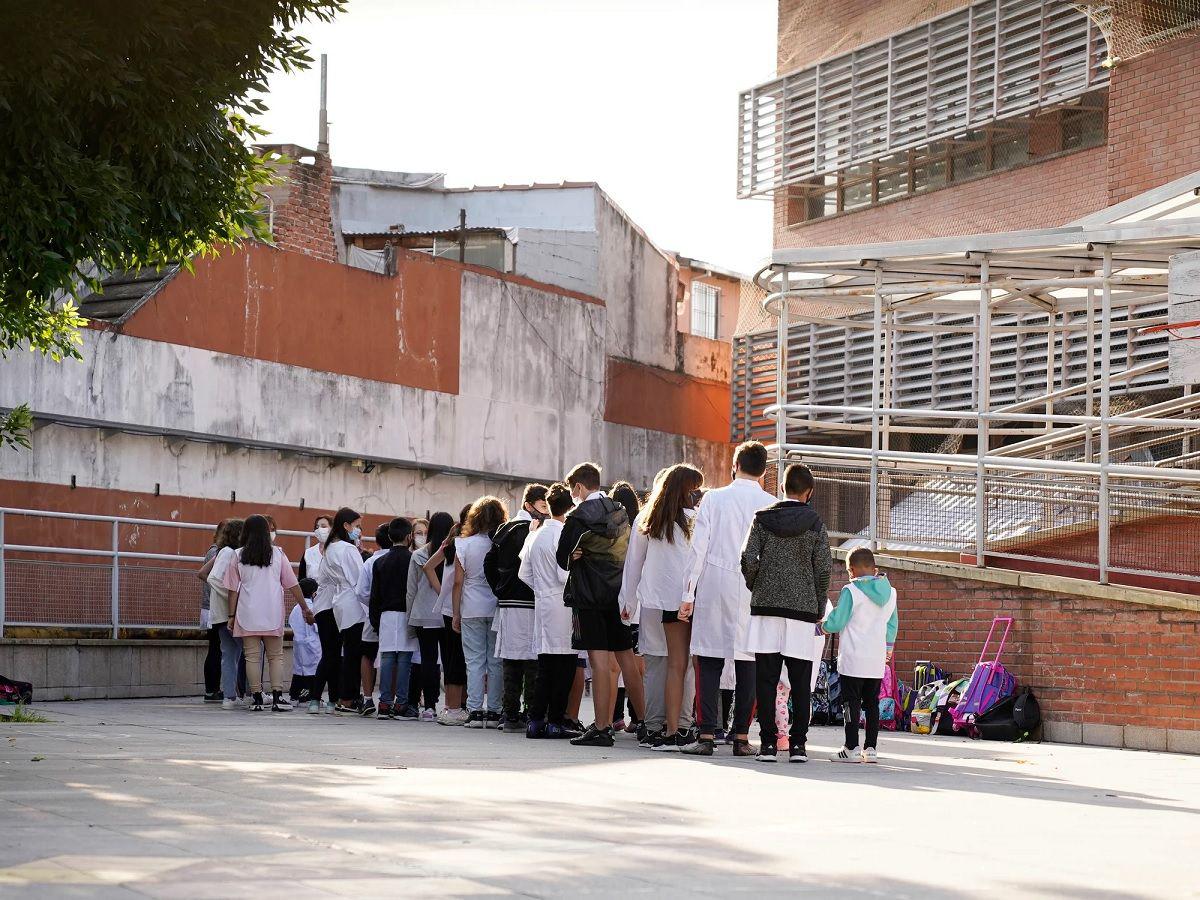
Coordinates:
(704, 309)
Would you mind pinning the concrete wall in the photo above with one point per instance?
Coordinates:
(102, 669)
(568, 259)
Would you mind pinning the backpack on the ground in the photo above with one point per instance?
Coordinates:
(907, 697)
(12, 691)
(925, 672)
(827, 697)
(990, 682)
(947, 698)
(924, 707)
(1014, 718)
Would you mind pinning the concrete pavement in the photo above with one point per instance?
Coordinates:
(171, 798)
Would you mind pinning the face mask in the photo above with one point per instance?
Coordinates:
(322, 533)
(419, 538)
(272, 537)
(355, 534)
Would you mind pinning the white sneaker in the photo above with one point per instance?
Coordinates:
(229, 703)
(428, 715)
(869, 755)
(450, 716)
(847, 756)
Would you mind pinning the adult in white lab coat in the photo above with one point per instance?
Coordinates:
(552, 621)
(337, 601)
(717, 600)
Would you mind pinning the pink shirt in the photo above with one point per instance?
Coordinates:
(260, 607)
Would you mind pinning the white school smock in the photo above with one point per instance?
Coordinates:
(218, 597)
(715, 584)
(657, 578)
(791, 637)
(363, 591)
(862, 644)
(340, 568)
(312, 562)
(306, 643)
(445, 607)
(424, 610)
(260, 607)
(540, 570)
(477, 601)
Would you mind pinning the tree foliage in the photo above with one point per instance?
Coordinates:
(125, 141)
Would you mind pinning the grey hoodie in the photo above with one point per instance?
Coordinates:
(786, 562)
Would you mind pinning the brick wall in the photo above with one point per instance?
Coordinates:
(1153, 123)
(1091, 662)
(1041, 195)
(303, 221)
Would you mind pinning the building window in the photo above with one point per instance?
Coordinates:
(704, 309)
(995, 147)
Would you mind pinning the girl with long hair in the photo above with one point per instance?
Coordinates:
(439, 572)
(337, 579)
(229, 540)
(423, 610)
(475, 611)
(656, 571)
(256, 582)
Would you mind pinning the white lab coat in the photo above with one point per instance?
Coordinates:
(340, 567)
(306, 644)
(715, 584)
(540, 570)
(656, 573)
(363, 591)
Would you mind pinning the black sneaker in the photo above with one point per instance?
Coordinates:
(256, 703)
(512, 726)
(536, 729)
(561, 732)
(595, 737)
(477, 719)
(280, 703)
(406, 713)
(386, 710)
(766, 753)
(368, 708)
(493, 720)
(797, 754)
(699, 747)
(670, 743)
(214, 697)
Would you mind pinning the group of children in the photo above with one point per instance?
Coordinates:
(695, 609)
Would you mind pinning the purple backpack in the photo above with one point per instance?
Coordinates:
(990, 682)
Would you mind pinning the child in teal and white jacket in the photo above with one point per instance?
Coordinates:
(865, 617)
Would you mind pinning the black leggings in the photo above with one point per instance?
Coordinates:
(352, 654)
(520, 676)
(769, 666)
(552, 687)
(453, 661)
(708, 694)
(329, 670)
(212, 661)
(430, 676)
(860, 694)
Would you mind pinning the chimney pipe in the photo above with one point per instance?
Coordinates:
(323, 121)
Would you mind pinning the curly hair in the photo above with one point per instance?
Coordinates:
(485, 516)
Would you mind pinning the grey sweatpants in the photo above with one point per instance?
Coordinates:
(656, 681)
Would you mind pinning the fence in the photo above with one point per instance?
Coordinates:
(47, 581)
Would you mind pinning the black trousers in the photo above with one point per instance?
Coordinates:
(454, 664)
(302, 686)
(708, 694)
(552, 687)
(212, 661)
(860, 694)
(352, 654)
(520, 677)
(727, 706)
(428, 681)
(769, 666)
(329, 669)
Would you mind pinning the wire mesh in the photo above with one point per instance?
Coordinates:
(1134, 27)
(46, 592)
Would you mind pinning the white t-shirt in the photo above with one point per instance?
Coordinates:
(478, 601)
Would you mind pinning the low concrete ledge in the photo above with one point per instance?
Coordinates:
(1129, 737)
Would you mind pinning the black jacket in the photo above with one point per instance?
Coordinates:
(502, 562)
(389, 584)
(786, 562)
(600, 528)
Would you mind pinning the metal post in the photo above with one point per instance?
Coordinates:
(1089, 406)
(781, 340)
(983, 374)
(1105, 411)
(462, 235)
(116, 580)
(876, 360)
(1, 574)
(323, 115)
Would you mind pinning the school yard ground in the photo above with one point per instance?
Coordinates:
(171, 798)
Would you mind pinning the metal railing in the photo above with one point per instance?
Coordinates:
(108, 585)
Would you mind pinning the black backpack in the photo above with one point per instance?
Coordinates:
(502, 562)
(1014, 718)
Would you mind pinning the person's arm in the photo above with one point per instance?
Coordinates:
(365, 579)
(456, 598)
(752, 554)
(233, 605)
(301, 603)
(303, 565)
(204, 570)
(631, 575)
(701, 538)
(430, 567)
(374, 599)
(568, 541)
(893, 627)
(822, 565)
(838, 617)
(413, 583)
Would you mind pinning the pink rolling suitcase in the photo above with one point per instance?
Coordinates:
(990, 682)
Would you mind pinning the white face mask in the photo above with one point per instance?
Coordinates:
(419, 538)
(272, 537)
(322, 533)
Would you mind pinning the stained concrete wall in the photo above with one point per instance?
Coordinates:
(569, 259)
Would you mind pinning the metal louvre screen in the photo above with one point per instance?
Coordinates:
(991, 60)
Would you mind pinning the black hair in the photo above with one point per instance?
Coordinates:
(256, 542)
(344, 517)
(624, 494)
(533, 493)
(398, 530)
(861, 556)
(798, 479)
(440, 524)
(383, 538)
(751, 457)
(587, 474)
(308, 587)
(559, 499)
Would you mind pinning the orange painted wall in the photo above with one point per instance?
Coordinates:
(285, 307)
(649, 397)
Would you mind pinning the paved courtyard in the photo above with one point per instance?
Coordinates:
(171, 798)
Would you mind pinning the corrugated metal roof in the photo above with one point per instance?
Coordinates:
(123, 292)
(365, 230)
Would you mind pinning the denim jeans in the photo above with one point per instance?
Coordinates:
(395, 667)
(484, 671)
(231, 653)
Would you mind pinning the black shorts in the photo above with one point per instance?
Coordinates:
(370, 650)
(670, 615)
(600, 629)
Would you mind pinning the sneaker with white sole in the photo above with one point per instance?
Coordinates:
(450, 716)
(797, 754)
(256, 702)
(476, 719)
(229, 703)
(767, 753)
(314, 707)
(428, 715)
(846, 756)
(280, 703)
(869, 755)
